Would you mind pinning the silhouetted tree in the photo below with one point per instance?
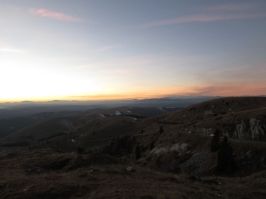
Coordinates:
(161, 130)
(225, 158)
(80, 150)
(137, 152)
(152, 145)
(215, 145)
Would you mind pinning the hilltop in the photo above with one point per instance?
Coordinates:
(123, 153)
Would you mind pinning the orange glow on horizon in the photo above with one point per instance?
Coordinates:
(239, 89)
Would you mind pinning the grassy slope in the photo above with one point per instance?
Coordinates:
(95, 178)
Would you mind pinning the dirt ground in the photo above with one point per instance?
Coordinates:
(54, 174)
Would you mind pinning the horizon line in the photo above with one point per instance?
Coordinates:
(122, 99)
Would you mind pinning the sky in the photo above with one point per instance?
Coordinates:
(124, 49)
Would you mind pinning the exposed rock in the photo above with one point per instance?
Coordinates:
(178, 147)
(250, 129)
(130, 169)
(39, 170)
(195, 162)
(247, 159)
(200, 130)
(209, 112)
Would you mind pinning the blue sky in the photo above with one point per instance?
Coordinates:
(112, 49)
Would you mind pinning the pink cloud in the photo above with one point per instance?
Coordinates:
(201, 18)
(54, 15)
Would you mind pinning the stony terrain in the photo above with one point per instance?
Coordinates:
(111, 154)
(55, 174)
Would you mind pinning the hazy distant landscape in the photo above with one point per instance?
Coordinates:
(19, 115)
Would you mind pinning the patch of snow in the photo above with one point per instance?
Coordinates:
(117, 113)
(102, 115)
(66, 123)
(209, 112)
(129, 111)
(159, 151)
(136, 114)
(179, 147)
(130, 169)
(161, 109)
(134, 118)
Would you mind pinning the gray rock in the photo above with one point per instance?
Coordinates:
(130, 169)
(250, 128)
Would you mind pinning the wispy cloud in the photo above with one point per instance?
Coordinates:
(104, 48)
(202, 19)
(236, 6)
(128, 62)
(229, 89)
(13, 50)
(55, 15)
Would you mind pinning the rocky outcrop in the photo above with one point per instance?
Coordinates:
(199, 130)
(181, 148)
(250, 128)
(195, 163)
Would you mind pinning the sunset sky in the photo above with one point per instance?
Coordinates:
(120, 49)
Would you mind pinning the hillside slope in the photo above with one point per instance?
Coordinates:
(236, 117)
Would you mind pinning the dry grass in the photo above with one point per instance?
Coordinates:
(110, 179)
(97, 175)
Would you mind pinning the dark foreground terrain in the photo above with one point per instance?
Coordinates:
(120, 153)
(50, 173)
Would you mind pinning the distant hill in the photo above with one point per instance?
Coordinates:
(25, 108)
(237, 117)
(13, 124)
(30, 130)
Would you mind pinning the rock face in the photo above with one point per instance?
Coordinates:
(199, 130)
(195, 162)
(250, 129)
